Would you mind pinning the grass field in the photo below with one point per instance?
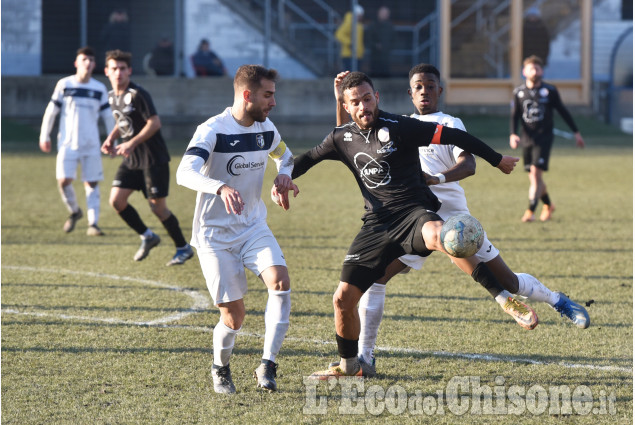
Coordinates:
(90, 336)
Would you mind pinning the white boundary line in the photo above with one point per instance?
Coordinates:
(200, 303)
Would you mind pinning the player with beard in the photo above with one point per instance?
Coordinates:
(225, 163)
(145, 164)
(444, 166)
(533, 104)
(381, 150)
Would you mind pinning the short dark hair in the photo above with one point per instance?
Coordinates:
(424, 68)
(533, 59)
(119, 56)
(252, 75)
(355, 79)
(86, 50)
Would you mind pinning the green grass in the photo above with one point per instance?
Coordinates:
(83, 341)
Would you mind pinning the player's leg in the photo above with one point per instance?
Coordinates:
(548, 208)
(227, 284)
(92, 174)
(529, 157)
(125, 183)
(263, 256)
(157, 187)
(65, 174)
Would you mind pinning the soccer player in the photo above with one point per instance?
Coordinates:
(444, 166)
(82, 100)
(145, 164)
(533, 104)
(381, 150)
(225, 163)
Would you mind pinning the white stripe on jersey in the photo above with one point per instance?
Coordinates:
(440, 158)
(238, 158)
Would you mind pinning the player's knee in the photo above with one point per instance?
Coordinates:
(343, 302)
(281, 284)
(431, 233)
(118, 204)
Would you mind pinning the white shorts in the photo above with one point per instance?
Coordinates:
(66, 167)
(487, 253)
(224, 269)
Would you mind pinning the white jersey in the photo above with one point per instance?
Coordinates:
(224, 152)
(437, 159)
(81, 105)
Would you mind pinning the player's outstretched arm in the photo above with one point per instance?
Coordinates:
(232, 199)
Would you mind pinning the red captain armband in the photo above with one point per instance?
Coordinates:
(436, 139)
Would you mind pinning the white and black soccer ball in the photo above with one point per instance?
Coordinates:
(462, 235)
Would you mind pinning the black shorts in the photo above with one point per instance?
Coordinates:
(537, 154)
(154, 181)
(378, 244)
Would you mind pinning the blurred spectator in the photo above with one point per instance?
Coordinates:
(162, 57)
(536, 39)
(380, 37)
(116, 34)
(206, 63)
(344, 34)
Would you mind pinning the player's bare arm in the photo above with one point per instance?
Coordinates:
(108, 147)
(152, 126)
(464, 168)
(45, 146)
(341, 114)
(579, 141)
(514, 140)
(231, 198)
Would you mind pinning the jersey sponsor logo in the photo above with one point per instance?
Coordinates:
(238, 163)
(372, 172)
(234, 143)
(387, 149)
(351, 257)
(348, 136)
(124, 123)
(489, 249)
(532, 111)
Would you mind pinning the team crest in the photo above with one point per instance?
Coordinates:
(260, 141)
(383, 134)
(127, 98)
(544, 92)
(348, 137)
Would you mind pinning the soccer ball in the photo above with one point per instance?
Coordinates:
(462, 235)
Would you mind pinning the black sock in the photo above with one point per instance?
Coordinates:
(545, 199)
(533, 203)
(483, 275)
(347, 348)
(171, 224)
(132, 219)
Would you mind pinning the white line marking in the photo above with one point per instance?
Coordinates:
(201, 303)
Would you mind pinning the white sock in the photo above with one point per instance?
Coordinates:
(532, 288)
(69, 198)
(224, 338)
(276, 322)
(92, 204)
(147, 234)
(501, 298)
(371, 310)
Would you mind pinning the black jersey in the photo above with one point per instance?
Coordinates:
(385, 160)
(534, 108)
(131, 111)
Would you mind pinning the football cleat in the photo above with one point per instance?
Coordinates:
(181, 256)
(69, 224)
(222, 377)
(547, 210)
(370, 366)
(334, 371)
(265, 375)
(573, 311)
(528, 217)
(94, 230)
(146, 246)
(522, 313)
